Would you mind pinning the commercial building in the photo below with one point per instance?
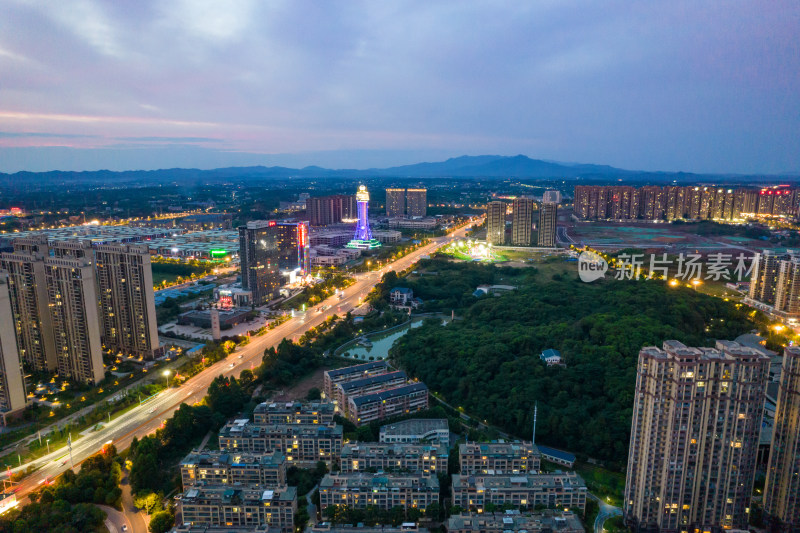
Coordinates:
(515, 522)
(775, 282)
(416, 431)
(12, 387)
(72, 297)
(426, 223)
(383, 491)
(522, 222)
(301, 443)
(782, 488)
(223, 468)
(223, 505)
(496, 222)
(267, 249)
(387, 403)
(328, 210)
(548, 220)
(127, 301)
(416, 202)
(694, 437)
(559, 489)
(340, 375)
(293, 413)
(429, 459)
(28, 297)
(395, 203)
(499, 458)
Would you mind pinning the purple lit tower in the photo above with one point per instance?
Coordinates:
(363, 236)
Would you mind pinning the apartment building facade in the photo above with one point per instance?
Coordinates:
(223, 468)
(294, 413)
(782, 487)
(560, 489)
(401, 400)
(694, 436)
(428, 459)
(383, 491)
(253, 506)
(300, 443)
(499, 458)
(12, 387)
(340, 375)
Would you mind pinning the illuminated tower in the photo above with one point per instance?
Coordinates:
(363, 235)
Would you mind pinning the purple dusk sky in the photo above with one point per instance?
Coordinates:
(709, 86)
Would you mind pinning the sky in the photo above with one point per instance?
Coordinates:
(710, 86)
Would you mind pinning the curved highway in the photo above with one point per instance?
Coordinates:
(145, 419)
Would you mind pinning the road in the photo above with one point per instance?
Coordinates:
(145, 419)
(606, 511)
(115, 520)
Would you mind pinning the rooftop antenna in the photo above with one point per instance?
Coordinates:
(535, 410)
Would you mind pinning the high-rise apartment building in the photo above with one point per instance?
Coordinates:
(27, 288)
(73, 301)
(552, 197)
(548, 220)
(522, 222)
(327, 210)
(12, 389)
(395, 203)
(593, 202)
(416, 202)
(694, 437)
(775, 282)
(127, 301)
(496, 223)
(782, 488)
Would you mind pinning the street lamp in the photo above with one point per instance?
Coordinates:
(166, 375)
(48, 446)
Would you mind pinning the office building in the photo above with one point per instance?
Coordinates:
(782, 488)
(548, 221)
(496, 223)
(383, 491)
(268, 250)
(775, 282)
(552, 197)
(127, 301)
(694, 437)
(300, 443)
(522, 222)
(387, 403)
(417, 431)
(498, 458)
(72, 297)
(223, 468)
(28, 297)
(293, 413)
(331, 377)
(428, 459)
(253, 506)
(328, 210)
(395, 203)
(12, 388)
(515, 522)
(416, 203)
(526, 491)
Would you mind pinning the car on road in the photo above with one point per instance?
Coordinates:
(124, 527)
(152, 410)
(231, 365)
(240, 357)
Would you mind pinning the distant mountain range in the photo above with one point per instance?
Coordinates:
(484, 166)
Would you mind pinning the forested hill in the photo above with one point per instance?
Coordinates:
(489, 362)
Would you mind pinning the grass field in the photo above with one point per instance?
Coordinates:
(158, 277)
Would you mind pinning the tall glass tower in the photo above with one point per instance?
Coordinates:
(363, 235)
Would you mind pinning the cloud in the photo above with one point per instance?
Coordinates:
(23, 134)
(170, 139)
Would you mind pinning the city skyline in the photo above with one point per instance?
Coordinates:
(140, 86)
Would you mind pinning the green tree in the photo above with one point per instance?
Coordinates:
(161, 522)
